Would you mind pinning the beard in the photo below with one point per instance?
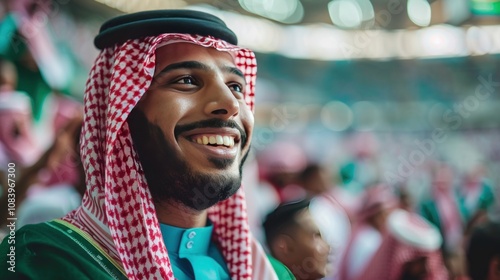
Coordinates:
(169, 177)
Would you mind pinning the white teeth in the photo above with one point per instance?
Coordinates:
(219, 139)
(227, 141)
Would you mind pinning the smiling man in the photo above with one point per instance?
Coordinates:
(193, 121)
(167, 127)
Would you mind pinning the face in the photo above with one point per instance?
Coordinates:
(192, 128)
(317, 181)
(309, 257)
(443, 179)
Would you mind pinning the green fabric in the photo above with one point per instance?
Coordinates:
(487, 198)
(192, 253)
(37, 88)
(428, 210)
(55, 250)
(8, 29)
(29, 80)
(14, 48)
(281, 270)
(484, 202)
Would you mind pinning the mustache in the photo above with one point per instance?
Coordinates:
(211, 123)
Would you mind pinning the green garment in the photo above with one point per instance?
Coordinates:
(429, 210)
(484, 201)
(14, 48)
(58, 250)
(281, 270)
(55, 250)
(192, 253)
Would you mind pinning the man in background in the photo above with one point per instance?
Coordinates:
(294, 239)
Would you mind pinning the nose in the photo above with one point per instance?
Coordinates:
(221, 102)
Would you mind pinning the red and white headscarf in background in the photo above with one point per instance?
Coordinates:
(409, 237)
(117, 209)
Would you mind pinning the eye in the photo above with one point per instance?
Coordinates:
(188, 80)
(180, 82)
(236, 87)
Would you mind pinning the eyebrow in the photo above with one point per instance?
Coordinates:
(233, 70)
(200, 66)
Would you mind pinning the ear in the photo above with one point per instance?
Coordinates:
(494, 268)
(282, 246)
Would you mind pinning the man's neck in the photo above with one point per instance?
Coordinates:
(178, 215)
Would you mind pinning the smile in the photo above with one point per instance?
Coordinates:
(215, 140)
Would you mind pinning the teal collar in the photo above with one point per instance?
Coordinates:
(190, 241)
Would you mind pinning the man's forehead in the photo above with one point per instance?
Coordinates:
(180, 52)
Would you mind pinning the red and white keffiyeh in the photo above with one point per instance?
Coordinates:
(409, 237)
(117, 209)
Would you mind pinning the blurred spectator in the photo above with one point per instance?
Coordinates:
(483, 252)
(475, 193)
(38, 202)
(17, 143)
(444, 211)
(363, 168)
(53, 200)
(410, 251)
(280, 165)
(64, 111)
(368, 231)
(316, 179)
(327, 212)
(295, 240)
(406, 201)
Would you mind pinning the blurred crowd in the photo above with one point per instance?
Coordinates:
(364, 224)
(40, 120)
(49, 180)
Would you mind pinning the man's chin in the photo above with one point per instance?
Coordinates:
(209, 196)
(216, 167)
(221, 163)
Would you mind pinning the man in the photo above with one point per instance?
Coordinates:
(444, 210)
(328, 213)
(17, 143)
(18, 148)
(167, 126)
(280, 165)
(368, 232)
(294, 239)
(483, 252)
